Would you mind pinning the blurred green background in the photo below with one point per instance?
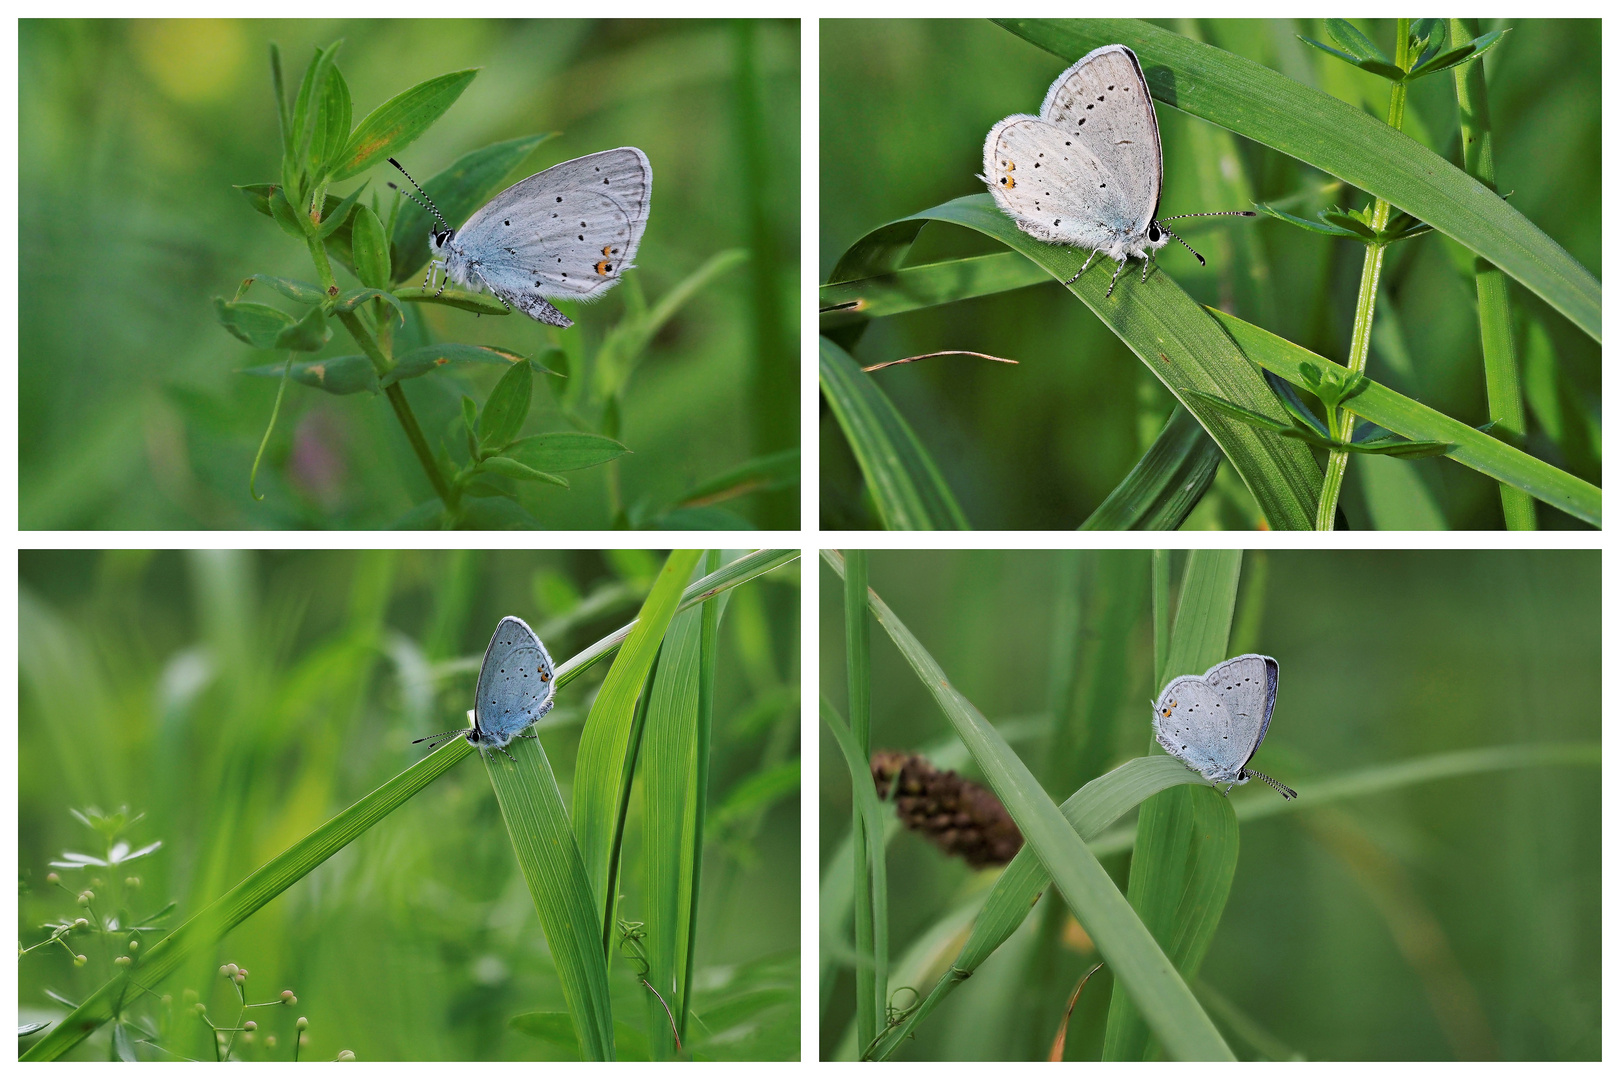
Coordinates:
(240, 699)
(905, 107)
(131, 135)
(1455, 919)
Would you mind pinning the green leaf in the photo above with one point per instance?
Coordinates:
(543, 841)
(334, 374)
(1139, 964)
(469, 418)
(1340, 139)
(770, 472)
(397, 122)
(306, 110)
(291, 221)
(309, 334)
(477, 303)
(516, 470)
(301, 291)
(1161, 324)
(256, 324)
(1307, 225)
(507, 407)
(428, 358)
(331, 125)
(123, 1046)
(565, 451)
(1420, 423)
(457, 191)
(607, 747)
(338, 217)
(370, 247)
(355, 297)
(1164, 486)
(905, 485)
(1354, 41)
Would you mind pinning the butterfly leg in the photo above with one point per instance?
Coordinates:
(1083, 269)
(1117, 269)
(508, 754)
(1147, 260)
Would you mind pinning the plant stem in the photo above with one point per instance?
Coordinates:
(869, 979)
(1342, 422)
(1503, 395)
(402, 408)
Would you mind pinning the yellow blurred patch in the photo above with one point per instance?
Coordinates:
(1076, 938)
(191, 60)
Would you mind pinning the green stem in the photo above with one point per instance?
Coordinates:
(1503, 394)
(447, 492)
(1341, 422)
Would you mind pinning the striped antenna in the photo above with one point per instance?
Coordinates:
(1282, 789)
(424, 202)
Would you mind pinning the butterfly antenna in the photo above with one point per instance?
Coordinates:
(1282, 789)
(1182, 242)
(1160, 222)
(424, 202)
(440, 735)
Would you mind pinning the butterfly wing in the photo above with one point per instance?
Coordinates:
(1247, 688)
(1052, 185)
(566, 233)
(516, 685)
(1103, 102)
(1190, 722)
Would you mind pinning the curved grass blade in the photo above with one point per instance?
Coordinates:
(1163, 487)
(1138, 963)
(1162, 325)
(906, 485)
(912, 288)
(1420, 423)
(607, 747)
(1090, 811)
(1340, 139)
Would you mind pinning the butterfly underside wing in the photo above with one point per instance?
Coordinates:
(516, 685)
(1215, 722)
(567, 233)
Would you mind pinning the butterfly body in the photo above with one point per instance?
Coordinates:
(1213, 723)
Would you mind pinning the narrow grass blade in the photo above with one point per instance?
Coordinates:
(1376, 779)
(543, 841)
(912, 288)
(205, 928)
(905, 484)
(871, 973)
(876, 897)
(692, 885)
(1340, 139)
(1163, 487)
(1137, 961)
(607, 748)
(668, 774)
(1187, 845)
(729, 576)
(1418, 422)
(1163, 326)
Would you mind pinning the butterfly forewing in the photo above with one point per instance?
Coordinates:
(1103, 102)
(516, 684)
(1248, 688)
